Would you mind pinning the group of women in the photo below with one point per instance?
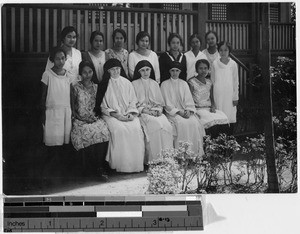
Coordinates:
(135, 102)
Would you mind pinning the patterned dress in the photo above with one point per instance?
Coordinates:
(122, 56)
(201, 96)
(87, 128)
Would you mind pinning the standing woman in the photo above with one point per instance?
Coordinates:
(193, 55)
(117, 51)
(174, 54)
(143, 53)
(224, 75)
(211, 52)
(118, 103)
(68, 37)
(89, 132)
(180, 109)
(96, 55)
(157, 128)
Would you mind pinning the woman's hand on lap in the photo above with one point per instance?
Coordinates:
(213, 109)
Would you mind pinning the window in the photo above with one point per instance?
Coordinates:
(218, 11)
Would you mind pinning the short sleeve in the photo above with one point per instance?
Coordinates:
(45, 78)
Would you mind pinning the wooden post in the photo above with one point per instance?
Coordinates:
(268, 114)
(254, 31)
(201, 24)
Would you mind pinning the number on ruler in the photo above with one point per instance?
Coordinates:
(164, 219)
(48, 199)
(154, 222)
(101, 222)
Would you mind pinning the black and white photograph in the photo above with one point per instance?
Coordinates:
(160, 98)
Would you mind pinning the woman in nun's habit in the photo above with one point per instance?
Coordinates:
(118, 106)
(157, 128)
(180, 110)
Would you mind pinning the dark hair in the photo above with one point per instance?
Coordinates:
(119, 30)
(66, 31)
(83, 64)
(141, 64)
(172, 35)
(202, 61)
(54, 51)
(94, 34)
(213, 32)
(141, 35)
(195, 35)
(226, 43)
(102, 87)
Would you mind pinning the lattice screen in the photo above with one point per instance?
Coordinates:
(218, 11)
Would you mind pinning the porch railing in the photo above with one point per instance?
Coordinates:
(240, 34)
(237, 33)
(36, 28)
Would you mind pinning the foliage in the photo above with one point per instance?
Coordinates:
(293, 11)
(189, 164)
(255, 162)
(218, 158)
(283, 76)
(164, 176)
(174, 170)
(218, 171)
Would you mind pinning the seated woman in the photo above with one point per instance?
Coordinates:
(88, 132)
(180, 109)
(116, 95)
(202, 92)
(157, 128)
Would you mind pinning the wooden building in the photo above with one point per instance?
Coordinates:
(29, 30)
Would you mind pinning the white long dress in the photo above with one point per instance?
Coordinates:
(226, 87)
(71, 65)
(177, 97)
(126, 148)
(201, 96)
(158, 130)
(58, 124)
(191, 60)
(135, 57)
(211, 57)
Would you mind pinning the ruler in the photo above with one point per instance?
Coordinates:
(102, 213)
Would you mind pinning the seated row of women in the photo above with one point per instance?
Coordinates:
(139, 119)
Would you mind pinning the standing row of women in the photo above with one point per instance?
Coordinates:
(138, 118)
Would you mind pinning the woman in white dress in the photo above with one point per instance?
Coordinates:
(224, 75)
(211, 52)
(96, 55)
(119, 38)
(193, 55)
(143, 53)
(157, 128)
(116, 94)
(68, 40)
(180, 110)
(202, 92)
